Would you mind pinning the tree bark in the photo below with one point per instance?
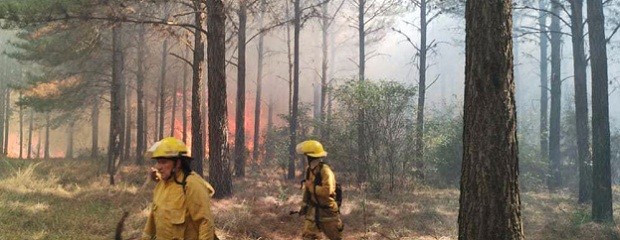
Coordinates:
(240, 113)
(295, 100)
(197, 72)
(544, 90)
(419, 138)
(581, 103)
(94, 148)
(219, 161)
(554, 180)
(30, 129)
(7, 121)
(259, 85)
(140, 113)
(489, 200)
(21, 128)
(116, 102)
(46, 148)
(70, 133)
(602, 210)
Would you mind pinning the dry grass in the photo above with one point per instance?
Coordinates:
(66, 199)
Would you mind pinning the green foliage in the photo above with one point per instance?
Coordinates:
(388, 122)
(443, 137)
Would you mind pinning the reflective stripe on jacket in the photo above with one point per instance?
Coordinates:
(181, 215)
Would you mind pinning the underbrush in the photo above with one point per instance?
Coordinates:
(72, 199)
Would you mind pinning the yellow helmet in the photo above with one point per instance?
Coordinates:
(169, 147)
(311, 148)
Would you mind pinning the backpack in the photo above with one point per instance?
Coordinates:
(319, 181)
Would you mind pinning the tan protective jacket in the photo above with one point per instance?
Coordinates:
(181, 215)
(321, 197)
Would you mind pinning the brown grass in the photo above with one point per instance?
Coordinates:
(67, 199)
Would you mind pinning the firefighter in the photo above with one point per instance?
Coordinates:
(321, 211)
(181, 207)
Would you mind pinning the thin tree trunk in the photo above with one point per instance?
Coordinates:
(141, 111)
(46, 148)
(269, 151)
(174, 106)
(39, 143)
(544, 101)
(489, 202)
(581, 103)
(554, 181)
(3, 122)
(21, 129)
(421, 87)
(7, 119)
(362, 143)
(128, 125)
(295, 102)
(161, 88)
(70, 132)
(30, 129)
(324, 66)
(239, 154)
(259, 85)
(185, 90)
(602, 209)
(219, 162)
(94, 149)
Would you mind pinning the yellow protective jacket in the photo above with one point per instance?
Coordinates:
(181, 215)
(321, 197)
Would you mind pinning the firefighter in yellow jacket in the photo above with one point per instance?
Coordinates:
(319, 204)
(181, 207)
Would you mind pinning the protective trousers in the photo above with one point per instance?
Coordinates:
(332, 229)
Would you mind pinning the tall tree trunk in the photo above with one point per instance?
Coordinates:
(554, 181)
(94, 149)
(7, 121)
(174, 106)
(70, 132)
(184, 104)
(116, 102)
(544, 90)
(161, 88)
(602, 210)
(21, 128)
(197, 72)
(259, 84)
(289, 54)
(30, 129)
(581, 102)
(419, 138)
(325, 23)
(219, 162)
(269, 151)
(489, 202)
(295, 102)
(128, 125)
(46, 148)
(39, 143)
(3, 113)
(362, 142)
(240, 113)
(141, 112)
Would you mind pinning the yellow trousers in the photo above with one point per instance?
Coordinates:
(331, 229)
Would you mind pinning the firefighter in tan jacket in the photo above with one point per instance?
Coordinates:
(319, 205)
(181, 207)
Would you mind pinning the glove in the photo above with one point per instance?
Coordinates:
(303, 210)
(155, 175)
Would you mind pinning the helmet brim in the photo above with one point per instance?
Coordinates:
(317, 155)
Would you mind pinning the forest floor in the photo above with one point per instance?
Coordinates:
(70, 199)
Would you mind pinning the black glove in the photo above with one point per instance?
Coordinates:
(303, 210)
